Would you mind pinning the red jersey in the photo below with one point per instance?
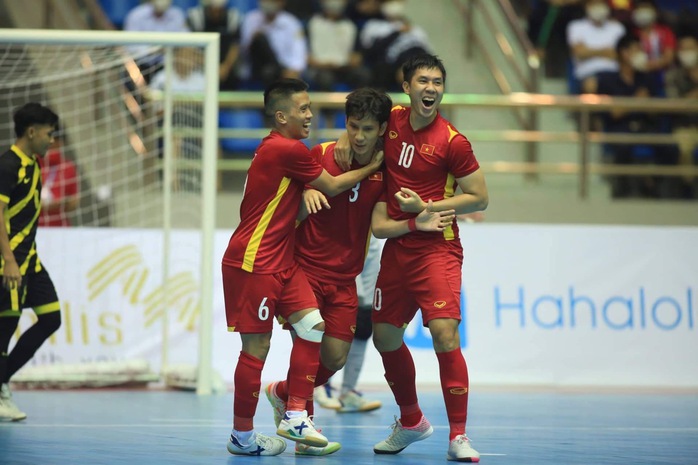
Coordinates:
(263, 241)
(428, 161)
(331, 245)
(59, 180)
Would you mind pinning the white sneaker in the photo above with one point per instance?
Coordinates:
(402, 437)
(353, 401)
(260, 444)
(8, 409)
(460, 450)
(324, 398)
(301, 429)
(277, 403)
(330, 448)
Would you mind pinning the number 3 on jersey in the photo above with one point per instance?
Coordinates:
(354, 192)
(406, 155)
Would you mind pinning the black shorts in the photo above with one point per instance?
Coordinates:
(37, 292)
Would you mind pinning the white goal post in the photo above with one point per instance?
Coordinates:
(152, 158)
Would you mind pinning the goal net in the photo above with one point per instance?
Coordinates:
(127, 222)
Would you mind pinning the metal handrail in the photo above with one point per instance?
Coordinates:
(529, 77)
(586, 105)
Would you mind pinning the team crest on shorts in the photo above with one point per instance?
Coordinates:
(440, 304)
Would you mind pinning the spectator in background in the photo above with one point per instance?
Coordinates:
(215, 16)
(658, 42)
(388, 43)
(361, 11)
(682, 82)
(60, 186)
(273, 43)
(547, 26)
(153, 16)
(333, 56)
(628, 81)
(188, 76)
(592, 41)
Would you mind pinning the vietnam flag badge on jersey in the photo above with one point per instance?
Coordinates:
(427, 149)
(377, 176)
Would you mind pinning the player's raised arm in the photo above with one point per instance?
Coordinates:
(427, 220)
(333, 185)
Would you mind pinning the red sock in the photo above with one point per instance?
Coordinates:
(305, 359)
(248, 380)
(454, 384)
(323, 375)
(400, 374)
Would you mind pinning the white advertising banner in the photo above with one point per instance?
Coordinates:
(542, 305)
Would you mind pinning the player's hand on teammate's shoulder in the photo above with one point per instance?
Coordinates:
(409, 201)
(315, 200)
(429, 220)
(342, 152)
(377, 159)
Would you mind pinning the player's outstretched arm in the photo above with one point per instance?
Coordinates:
(11, 277)
(333, 185)
(427, 220)
(342, 152)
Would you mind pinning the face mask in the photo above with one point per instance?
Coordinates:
(333, 7)
(688, 58)
(393, 9)
(639, 61)
(161, 5)
(598, 13)
(269, 7)
(644, 17)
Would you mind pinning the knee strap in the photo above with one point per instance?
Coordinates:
(304, 327)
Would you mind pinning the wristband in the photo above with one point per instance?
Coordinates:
(412, 224)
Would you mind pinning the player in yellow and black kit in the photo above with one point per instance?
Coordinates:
(25, 281)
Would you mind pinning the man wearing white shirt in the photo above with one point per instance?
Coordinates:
(273, 43)
(153, 16)
(592, 41)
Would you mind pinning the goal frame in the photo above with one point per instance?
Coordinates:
(209, 42)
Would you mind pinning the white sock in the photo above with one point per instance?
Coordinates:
(244, 437)
(296, 413)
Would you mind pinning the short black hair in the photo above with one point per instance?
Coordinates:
(279, 92)
(31, 114)
(625, 42)
(422, 60)
(368, 102)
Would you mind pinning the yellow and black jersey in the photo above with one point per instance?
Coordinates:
(20, 189)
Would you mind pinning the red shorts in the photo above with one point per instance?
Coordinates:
(252, 300)
(338, 304)
(412, 278)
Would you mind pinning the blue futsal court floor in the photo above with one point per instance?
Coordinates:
(168, 427)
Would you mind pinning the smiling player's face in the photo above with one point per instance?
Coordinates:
(426, 89)
(299, 116)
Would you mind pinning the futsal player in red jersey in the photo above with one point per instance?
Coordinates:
(331, 243)
(261, 279)
(427, 159)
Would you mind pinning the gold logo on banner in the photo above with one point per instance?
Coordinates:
(126, 268)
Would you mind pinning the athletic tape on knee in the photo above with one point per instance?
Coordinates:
(304, 327)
